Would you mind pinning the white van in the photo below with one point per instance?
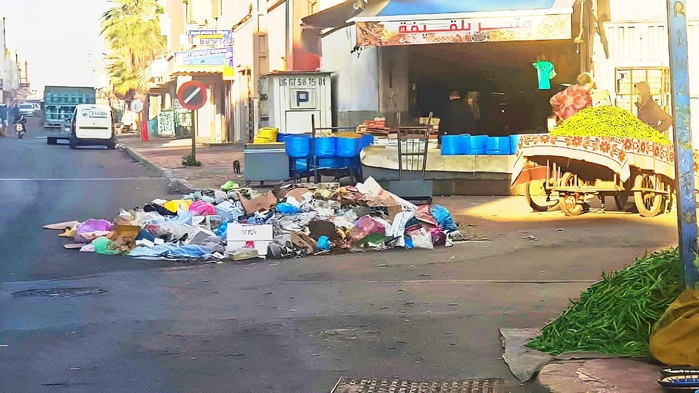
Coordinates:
(92, 125)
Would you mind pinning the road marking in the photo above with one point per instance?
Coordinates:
(191, 96)
(20, 179)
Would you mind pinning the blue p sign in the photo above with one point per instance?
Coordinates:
(302, 97)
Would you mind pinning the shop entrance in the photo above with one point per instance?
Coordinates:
(502, 73)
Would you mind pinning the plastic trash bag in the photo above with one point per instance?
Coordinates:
(443, 218)
(222, 230)
(170, 250)
(398, 228)
(104, 246)
(365, 226)
(177, 205)
(288, 209)
(420, 238)
(201, 208)
(324, 243)
(89, 226)
(439, 238)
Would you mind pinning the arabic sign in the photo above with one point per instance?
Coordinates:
(212, 59)
(485, 29)
(210, 37)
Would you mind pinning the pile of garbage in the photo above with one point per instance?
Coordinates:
(286, 222)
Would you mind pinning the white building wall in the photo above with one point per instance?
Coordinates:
(3, 50)
(641, 42)
(355, 78)
(646, 10)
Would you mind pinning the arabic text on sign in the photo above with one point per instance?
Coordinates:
(302, 82)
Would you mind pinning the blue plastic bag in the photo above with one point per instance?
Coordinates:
(443, 218)
(324, 243)
(222, 230)
(287, 209)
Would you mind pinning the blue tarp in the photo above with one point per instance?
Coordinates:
(426, 7)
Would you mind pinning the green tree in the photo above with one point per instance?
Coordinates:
(131, 30)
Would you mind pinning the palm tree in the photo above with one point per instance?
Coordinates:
(131, 30)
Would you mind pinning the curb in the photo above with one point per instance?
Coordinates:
(175, 184)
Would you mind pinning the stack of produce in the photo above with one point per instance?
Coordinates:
(616, 314)
(608, 121)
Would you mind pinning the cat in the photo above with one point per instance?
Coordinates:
(236, 167)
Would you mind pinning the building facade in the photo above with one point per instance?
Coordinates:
(9, 69)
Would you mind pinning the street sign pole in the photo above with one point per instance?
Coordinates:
(684, 161)
(195, 120)
(192, 95)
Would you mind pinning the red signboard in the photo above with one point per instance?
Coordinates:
(192, 95)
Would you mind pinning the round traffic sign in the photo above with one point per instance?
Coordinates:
(137, 106)
(192, 95)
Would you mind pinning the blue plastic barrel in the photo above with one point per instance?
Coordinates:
(325, 147)
(450, 145)
(282, 137)
(332, 163)
(478, 144)
(514, 142)
(300, 165)
(298, 146)
(498, 145)
(367, 140)
(348, 147)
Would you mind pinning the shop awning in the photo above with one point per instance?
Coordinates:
(332, 17)
(408, 22)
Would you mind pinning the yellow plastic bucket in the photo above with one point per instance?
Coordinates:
(269, 133)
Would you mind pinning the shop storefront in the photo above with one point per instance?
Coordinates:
(489, 48)
(400, 59)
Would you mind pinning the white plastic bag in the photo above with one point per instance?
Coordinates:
(421, 239)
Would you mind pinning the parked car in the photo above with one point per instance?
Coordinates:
(26, 109)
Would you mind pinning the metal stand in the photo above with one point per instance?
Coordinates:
(413, 145)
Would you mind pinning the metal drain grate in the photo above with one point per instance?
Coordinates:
(396, 385)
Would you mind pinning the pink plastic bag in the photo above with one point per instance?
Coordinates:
(365, 226)
(201, 208)
(439, 238)
(90, 227)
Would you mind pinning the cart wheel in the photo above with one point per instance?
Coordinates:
(648, 203)
(539, 197)
(569, 202)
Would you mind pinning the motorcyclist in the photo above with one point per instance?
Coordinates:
(19, 121)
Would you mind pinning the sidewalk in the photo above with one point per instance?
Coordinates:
(574, 376)
(165, 155)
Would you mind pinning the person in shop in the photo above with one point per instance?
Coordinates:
(459, 117)
(574, 98)
(648, 110)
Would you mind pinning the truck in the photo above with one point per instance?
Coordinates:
(60, 102)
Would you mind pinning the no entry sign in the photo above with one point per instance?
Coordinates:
(192, 95)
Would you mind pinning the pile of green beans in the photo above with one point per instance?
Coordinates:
(608, 121)
(616, 315)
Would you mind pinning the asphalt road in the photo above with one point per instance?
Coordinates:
(285, 326)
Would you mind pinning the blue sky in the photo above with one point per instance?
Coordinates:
(59, 38)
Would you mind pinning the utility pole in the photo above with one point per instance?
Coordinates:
(684, 160)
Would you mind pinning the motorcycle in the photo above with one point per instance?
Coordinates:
(20, 127)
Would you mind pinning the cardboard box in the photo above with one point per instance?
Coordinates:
(249, 236)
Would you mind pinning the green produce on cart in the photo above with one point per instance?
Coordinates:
(608, 121)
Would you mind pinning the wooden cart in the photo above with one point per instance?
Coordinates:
(564, 171)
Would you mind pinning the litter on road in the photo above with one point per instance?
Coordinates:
(285, 222)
